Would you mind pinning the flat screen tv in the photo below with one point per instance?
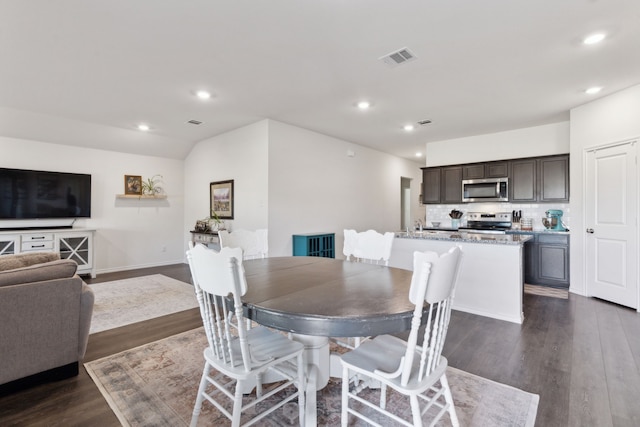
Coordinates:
(29, 194)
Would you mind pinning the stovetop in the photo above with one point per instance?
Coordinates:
(497, 222)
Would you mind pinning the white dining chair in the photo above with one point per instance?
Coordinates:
(417, 372)
(237, 356)
(254, 244)
(368, 246)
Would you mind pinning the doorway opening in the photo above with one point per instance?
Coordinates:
(405, 203)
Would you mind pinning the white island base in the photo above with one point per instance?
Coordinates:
(491, 278)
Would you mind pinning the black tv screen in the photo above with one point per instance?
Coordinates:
(29, 194)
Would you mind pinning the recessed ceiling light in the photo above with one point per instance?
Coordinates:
(143, 127)
(418, 154)
(409, 128)
(594, 38)
(203, 94)
(364, 105)
(593, 90)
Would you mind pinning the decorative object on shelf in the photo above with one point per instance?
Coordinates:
(151, 186)
(221, 199)
(133, 184)
(209, 224)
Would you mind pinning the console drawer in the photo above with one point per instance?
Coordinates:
(42, 245)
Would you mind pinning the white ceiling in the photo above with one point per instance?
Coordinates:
(86, 72)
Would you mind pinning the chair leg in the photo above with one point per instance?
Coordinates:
(237, 406)
(259, 385)
(302, 389)
(383, 396)
(198, 406)
(449, 399)
(345, 396)
(415, 411)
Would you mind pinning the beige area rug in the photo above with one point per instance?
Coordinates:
(546, 291)
(123, 302)
(156, 385)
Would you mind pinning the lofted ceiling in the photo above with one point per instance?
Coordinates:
(87, 72)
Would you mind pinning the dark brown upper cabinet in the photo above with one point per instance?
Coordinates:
(531, 180)
(442, 185)
(485, 170)
(542, 179)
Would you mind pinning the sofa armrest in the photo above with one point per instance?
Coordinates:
(86, 312)
(39, 326)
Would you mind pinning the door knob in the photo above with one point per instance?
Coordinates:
(590, 230)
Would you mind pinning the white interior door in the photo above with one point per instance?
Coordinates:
(611, 224)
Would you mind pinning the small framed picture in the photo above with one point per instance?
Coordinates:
(133, 184)
(221, 200)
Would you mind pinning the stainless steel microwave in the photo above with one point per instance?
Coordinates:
(485, 190)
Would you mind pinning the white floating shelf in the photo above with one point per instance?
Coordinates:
(138, 196)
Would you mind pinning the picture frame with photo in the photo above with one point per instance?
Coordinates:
(133, 185)
(221, 199)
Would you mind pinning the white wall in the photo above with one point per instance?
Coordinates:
(527, 142)
(130, 233)
(611, 119)
(240, 155)
(314, 186)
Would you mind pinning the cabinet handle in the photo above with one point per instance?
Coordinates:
(590, 230)
(37, 246)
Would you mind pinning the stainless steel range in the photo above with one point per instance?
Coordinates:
(488, 222)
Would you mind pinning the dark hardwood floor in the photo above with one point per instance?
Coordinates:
(581, 355)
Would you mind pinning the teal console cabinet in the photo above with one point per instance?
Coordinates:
(314, 244)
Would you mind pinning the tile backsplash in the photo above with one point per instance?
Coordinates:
(535, 211)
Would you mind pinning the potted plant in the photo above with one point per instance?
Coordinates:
(214, 222)
(151, 187)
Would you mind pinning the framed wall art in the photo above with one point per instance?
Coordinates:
(133, 184)
(221, 202)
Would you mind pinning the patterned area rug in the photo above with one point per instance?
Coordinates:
(156, 385)
(546, 291)
(123, 302)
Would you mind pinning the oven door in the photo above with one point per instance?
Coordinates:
(485, 190)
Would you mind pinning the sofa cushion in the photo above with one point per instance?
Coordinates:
(11, 262)
(59, 269)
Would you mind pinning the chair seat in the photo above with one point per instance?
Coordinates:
(384, 353)
(267, 348)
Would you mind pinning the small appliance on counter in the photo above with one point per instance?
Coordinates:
(553, 220)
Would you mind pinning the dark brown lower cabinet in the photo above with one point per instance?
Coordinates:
(546, 260)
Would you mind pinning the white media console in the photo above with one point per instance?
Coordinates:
(71, 243)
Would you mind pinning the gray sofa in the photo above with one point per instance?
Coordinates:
(45, 315)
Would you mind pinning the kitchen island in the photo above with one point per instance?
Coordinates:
(491, 278)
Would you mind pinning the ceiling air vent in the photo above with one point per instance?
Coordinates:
(424, 122)
(195, 122)
(399, 57)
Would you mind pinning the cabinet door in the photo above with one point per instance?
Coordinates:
(496, 170)
(78, 247)
(553, 179)
(475, 171)
(522, 185)
(451, 185)
(430, 185)
(553, 265)
(9, 245)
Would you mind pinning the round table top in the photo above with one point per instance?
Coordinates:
(327, 297)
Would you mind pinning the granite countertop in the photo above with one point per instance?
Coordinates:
(456, 236)
(537, 231)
